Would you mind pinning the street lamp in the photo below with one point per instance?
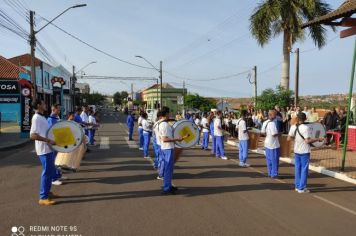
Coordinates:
(160, 76)
(33, 33)
(74, 78)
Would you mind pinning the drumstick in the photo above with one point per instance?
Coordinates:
(186, 136)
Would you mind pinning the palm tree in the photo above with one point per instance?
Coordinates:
(273, 17)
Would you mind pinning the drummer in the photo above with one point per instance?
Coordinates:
(85, 119)
(167, 151)
(130, 125)
(46, 155)
(243, 139)
(272, 146)
(211, 129)
(301, 134)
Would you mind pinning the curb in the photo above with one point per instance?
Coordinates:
(16, 145)
(318, 169)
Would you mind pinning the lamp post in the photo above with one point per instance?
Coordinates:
(74, 78)
(160, 76)
(32, 38)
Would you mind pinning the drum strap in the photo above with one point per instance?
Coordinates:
(297, 130)
(267, 126)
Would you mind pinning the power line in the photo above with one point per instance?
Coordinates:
(97, 49)
(210, 79)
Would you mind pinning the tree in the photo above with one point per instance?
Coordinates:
(124, 95)
(117, 98)
(198, 102)
(269, 98)
(273, 17)
(93, 98)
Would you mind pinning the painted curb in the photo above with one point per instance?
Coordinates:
(318, 169)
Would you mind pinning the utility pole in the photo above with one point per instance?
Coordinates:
(74, 80)
(132, 92)
(33, 45)
(156, 102)
(255, 83)
(296, 97)
(160, 77)
(183, 98)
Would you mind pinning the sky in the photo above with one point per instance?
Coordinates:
(196, 40)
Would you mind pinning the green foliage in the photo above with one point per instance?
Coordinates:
(117, 98)
(93, 98)
(198, 102)
(269, 98)
(124, 95)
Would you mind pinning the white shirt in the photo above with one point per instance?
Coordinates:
(85, 118)
(217, 131)
(156, 133)
(165, 130)
(270, 129)
(146, 126)
(242, 128)
(205, 124)
(139, 121)
(92, 120)
(197, 122)
(40, 126)
(300, 147)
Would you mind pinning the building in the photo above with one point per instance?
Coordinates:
(83, 88)
(10, 107)
(170, 96)
(44, 75)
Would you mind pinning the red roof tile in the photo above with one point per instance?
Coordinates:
(9, 70)
(24, 60)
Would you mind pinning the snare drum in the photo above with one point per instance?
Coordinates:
(186, 128)
(68, 136)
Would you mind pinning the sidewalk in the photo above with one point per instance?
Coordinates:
(10, 138)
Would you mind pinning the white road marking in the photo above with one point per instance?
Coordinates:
(335, 205)
(131, 144)
(104, 143)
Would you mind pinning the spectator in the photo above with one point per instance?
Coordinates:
(313, 115)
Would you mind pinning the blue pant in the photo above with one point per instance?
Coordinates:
(91, 136)
(205, 141)
(130, 132)
(213, 145)
(219, 142)
(199, 138)
(58, 172)
(140, 136)
(146, 143)
(301, 167)
(160, 162)
(272, 158)
(168, 160)
(243, 150)
(48, 172)
(156, 151)
(86, 131)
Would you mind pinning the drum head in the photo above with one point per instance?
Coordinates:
(186, 128)
(68, 136)
(318, 131)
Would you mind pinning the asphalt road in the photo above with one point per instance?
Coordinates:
(116, 193)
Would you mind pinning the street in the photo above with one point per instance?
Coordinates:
(116, 193)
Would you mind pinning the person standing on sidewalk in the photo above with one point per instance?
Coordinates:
(130, 125)
(92, 127)
(243, 139)
(85, 119)
(53, 119)
(211, 127)
(147, 133)
(272, 146)
(46, 155)
(301, 134)
(219, 137)
(140, 131)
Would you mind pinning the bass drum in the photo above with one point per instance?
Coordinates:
(185, 128)
(318, 131)
(68, 136)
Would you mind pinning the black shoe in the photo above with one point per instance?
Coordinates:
(168, 192)
(88, 150)
(131, 140)
(173, 188)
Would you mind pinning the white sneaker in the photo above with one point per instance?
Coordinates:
(159, 178)
(224, 157)
(147, 157)
(241, 164)
(57, 182)
(303, 191)
(296, 189)
(140, 149)
(246, 165)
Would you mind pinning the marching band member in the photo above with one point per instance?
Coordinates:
(213, 139)
(205, 125)
(243, 139)
(272, 145)
(140, 131)
(46, 155)
(167, 151)
(93, 124)
(130, 125)
(197, 123)
(147, 131)
(157, 146)
(301, 134)
(219, 137)
(53, 119)
(85, 119)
